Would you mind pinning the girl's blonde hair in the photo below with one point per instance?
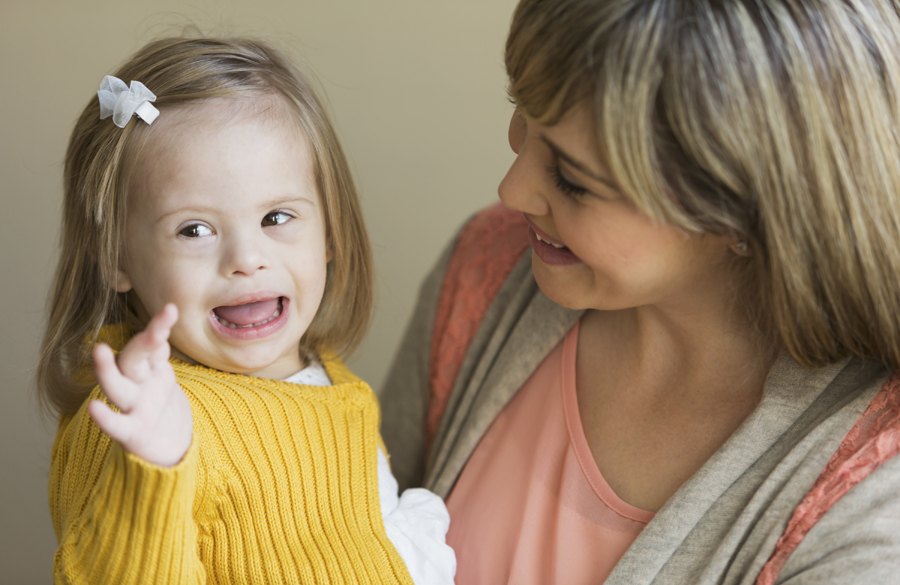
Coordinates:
(99, 165)
(775, 121)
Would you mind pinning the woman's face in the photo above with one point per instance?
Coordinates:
(592, 248)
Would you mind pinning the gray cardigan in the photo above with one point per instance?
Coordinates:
(721, 525)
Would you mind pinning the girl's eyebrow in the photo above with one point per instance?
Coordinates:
(265, 206)
(560, 153)
(279, 202)
(191, 208)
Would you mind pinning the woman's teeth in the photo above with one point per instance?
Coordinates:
(557, 246)
(231, 325)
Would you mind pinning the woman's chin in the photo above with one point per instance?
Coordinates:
(564, 294)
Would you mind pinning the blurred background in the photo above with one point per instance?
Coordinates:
(415, 89)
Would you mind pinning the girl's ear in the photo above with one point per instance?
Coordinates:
(122, 283)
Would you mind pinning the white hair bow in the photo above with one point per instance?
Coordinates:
(120, 102)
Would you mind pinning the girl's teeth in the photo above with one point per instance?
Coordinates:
(231, 325)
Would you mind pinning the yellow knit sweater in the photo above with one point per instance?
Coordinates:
(280, 485)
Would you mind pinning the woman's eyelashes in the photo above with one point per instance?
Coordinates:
(565, 185)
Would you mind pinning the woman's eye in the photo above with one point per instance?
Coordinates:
(565, 185)
(196, 230)
(275, 218)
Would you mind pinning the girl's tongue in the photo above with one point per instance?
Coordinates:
(250, 313)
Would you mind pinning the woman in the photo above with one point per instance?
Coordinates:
(688, 378)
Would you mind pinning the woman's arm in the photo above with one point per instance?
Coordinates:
(405, 394)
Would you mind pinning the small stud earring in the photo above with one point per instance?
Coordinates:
(741, 246)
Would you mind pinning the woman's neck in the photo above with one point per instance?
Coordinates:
(700, 346)
(660, 390)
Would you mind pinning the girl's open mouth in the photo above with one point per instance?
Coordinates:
(250, 320)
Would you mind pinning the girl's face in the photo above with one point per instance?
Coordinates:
(225, 221)
(592, 248)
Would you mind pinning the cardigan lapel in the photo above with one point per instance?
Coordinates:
(520, 329)
(789, 391)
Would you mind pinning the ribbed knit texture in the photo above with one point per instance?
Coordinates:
(280, 485)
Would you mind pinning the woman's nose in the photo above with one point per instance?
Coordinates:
(522, 188)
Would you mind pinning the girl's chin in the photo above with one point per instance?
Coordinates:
(246, 361)
(277, 370)
(180, 355)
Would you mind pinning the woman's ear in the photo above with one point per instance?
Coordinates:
(741, 248)
(122, 282)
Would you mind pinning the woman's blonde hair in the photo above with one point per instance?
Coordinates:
(100, 163)
(775, 121)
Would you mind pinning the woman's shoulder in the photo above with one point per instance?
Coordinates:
(855, 492)
(801, 491)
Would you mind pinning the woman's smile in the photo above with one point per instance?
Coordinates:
(548, 249)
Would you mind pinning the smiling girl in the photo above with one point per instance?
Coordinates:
(214, 261)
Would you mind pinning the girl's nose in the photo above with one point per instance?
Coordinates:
(244, 256)
(523, 186)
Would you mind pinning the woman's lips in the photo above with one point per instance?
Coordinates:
(265, 328)
(545, 249)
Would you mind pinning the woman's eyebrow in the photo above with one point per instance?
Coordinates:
(560, 153)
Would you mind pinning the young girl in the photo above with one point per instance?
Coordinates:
(214, 214)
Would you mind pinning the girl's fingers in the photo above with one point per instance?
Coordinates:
(165, 319)
(160, 327)
(117, 426)
(149, 345)
(115, 386)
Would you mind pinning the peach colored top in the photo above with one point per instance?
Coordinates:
(531, 506)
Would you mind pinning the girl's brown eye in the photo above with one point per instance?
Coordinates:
(275, 218)
(195, 230)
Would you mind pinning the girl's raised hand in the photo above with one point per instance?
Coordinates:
(155, 421)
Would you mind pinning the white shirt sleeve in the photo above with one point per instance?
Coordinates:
(417, 524)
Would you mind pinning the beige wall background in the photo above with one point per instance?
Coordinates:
(416, 89)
